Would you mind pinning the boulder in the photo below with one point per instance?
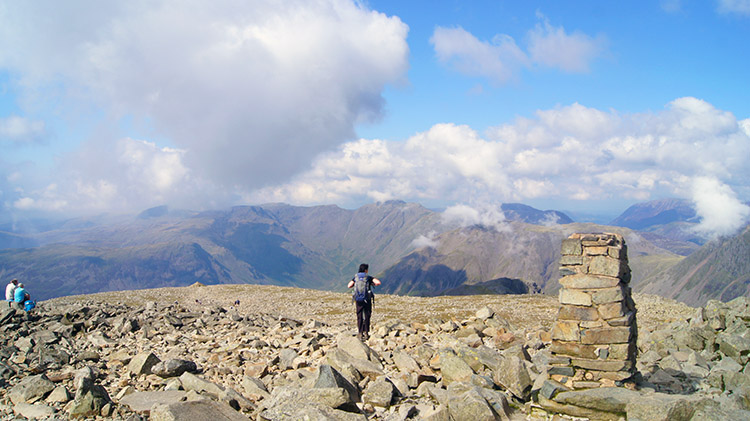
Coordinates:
(89, 400)
(33, 412)
(513, 376)
(471, 405)
(453, 368)
(173, 368)
(204, 409)
(31, 389)
(142, 363)
(329, 377)
(141, 402)
(380, 393)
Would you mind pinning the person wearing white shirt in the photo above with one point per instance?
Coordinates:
(10, 291)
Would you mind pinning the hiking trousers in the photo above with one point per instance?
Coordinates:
(364, 310)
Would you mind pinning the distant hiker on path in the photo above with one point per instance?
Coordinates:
(10, 290)
(363, 298)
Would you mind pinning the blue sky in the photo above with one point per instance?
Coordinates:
(581, 106)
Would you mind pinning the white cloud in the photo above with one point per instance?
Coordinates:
(250, 92)
(425, 241)
(553, 47)
(18, 130)
(550, 219)
(485, 215)
(501, 59)
(497, 60)
(568, 153)
(721, 212)
(740, 7)
(127, 175)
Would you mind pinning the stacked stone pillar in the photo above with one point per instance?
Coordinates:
(594, 337)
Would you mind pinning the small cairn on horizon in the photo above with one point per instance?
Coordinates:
(594, 337)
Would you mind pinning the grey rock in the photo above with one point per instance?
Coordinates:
(607, 399)
(405, 362)
(453, 368)
(736, 381)
(471, 405)
(308, 411)
(33, 412)
(286, 358)
(142, 363)
(89, 400)
(550, 388)
(254, 388)
(380, 393)
(191, 382)
(734, 346)
(660, 407)
(292, 399)
(31, 389)
(498, 401)
(727, 364)
(355, 347)
(512, 375)
(59, 395)
(173, 368)
(329, 377)
(484, 313)
(142, 402)
(199, 410)
(339, 360)
(439, 413)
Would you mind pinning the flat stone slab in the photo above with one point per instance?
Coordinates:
(608, 399)
(200, 410)
(142, 402)
(33, 412)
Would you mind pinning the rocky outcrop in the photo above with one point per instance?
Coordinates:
(169, 362)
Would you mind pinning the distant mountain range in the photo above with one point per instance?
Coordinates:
(666, 222)
(415, 250)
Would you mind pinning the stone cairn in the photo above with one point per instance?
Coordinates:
(594, 337)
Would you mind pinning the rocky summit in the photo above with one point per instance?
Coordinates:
(270, 353)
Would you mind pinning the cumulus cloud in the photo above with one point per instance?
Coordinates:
(721, 212)
(249, 92)
(500, 59)
(567, 153)
(127, 175)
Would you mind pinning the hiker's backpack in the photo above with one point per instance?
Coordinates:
(361, 292)
(29, 305)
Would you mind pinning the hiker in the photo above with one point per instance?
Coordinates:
(363, 298)
(21, 296)
(10, 290)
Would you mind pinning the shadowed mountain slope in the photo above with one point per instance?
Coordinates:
(718, 270)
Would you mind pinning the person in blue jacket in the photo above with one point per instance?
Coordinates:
(21, 296)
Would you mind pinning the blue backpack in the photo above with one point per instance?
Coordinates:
(29, 304)
(361, 291)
